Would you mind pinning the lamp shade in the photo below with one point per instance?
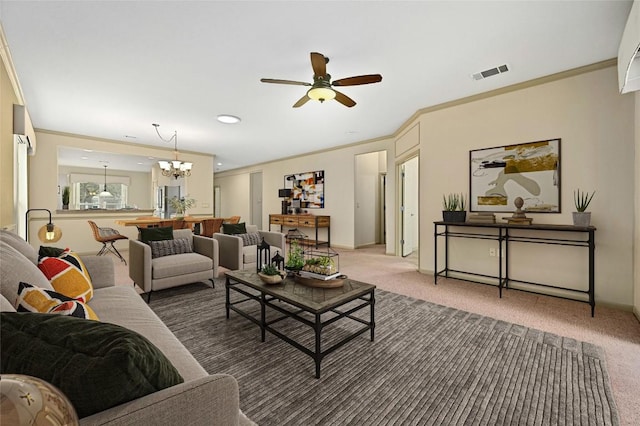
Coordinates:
(49, 233)
(321, 94)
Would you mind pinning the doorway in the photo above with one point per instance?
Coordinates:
(256, 199)
(369, 198)
(409, 203)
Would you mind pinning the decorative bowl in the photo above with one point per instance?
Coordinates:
(270, 279)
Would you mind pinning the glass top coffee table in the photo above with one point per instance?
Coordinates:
(314, 307)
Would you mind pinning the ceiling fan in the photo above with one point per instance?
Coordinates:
(322, 87)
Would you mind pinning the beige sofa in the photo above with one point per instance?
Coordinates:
(202, 399)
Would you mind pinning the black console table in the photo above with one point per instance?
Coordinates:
(501, 233)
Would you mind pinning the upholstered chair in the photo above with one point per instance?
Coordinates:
(240, 251)
(188, 258)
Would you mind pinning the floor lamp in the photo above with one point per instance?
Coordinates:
(49, 233)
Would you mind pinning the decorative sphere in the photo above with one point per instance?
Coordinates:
(26, 400)
(519, 202)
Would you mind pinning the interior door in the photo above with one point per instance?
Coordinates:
(256, 199)
(409, 206)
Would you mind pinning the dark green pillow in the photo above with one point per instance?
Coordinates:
(49, 252)
(156, 234)
(234, 228)
(96, 365)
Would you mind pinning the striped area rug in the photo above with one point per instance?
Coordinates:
(429, 365)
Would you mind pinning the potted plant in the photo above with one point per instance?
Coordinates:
(181, 205)
(65, 198)
(269, 274)
(453, 208)
(581, 217)
(295, 262)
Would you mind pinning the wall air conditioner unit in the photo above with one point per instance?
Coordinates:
(23, 128)
(628, 55)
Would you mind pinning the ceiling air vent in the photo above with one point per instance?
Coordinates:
(488, 73)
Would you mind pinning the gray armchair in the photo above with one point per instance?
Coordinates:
(173, 270)
(234, 255)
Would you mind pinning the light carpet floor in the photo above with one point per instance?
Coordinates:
(617, 331)
(429, 364)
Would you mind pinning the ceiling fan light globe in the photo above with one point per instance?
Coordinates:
(321, 94)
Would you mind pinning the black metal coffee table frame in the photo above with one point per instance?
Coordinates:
(270, 293)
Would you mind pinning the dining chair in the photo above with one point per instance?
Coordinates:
(107, 236)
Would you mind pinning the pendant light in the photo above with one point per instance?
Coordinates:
(105, 193)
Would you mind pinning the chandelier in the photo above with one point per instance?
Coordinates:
(175, 167)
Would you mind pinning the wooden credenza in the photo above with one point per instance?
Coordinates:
(303, 221)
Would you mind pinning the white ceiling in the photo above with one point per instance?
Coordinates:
(110, 69)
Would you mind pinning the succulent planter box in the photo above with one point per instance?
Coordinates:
(321, 265)
(454, 216)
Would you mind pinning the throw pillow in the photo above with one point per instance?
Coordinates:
(251, 239)
(68, 275)
(36, 299)
(234, 228)
(170, 247)
(96, 365)
(49, 252)
(156, 234)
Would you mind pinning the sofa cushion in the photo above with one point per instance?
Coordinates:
(14, 267)
(234, 228)
(35, 299)
(156, 234)
(5, 305)
(170, 247)
(122, 305)
(18, 243)
(180, 264)
(250, 238)
(96, 365)
(68, 275)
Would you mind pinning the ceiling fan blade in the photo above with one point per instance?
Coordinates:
(277, 81)
(303, 100)
(319, 64)
(361, 79)
(344, 99)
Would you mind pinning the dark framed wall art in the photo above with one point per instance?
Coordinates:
(307, 188)
(499, 175)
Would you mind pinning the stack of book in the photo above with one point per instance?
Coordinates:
(482, 217)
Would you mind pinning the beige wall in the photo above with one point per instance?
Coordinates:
(596, 125)
(338, 166)
(43, 189)
(636, 244)
(7, 99)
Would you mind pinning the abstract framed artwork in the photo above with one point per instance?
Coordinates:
(497, 176)
(306, 187)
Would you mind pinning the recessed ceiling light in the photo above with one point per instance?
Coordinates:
(228, 119)
(84, 158)
(87, 150)
(219, 164)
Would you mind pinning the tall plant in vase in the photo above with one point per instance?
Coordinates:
(453, 208)
(181, 205)
(581, 217)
